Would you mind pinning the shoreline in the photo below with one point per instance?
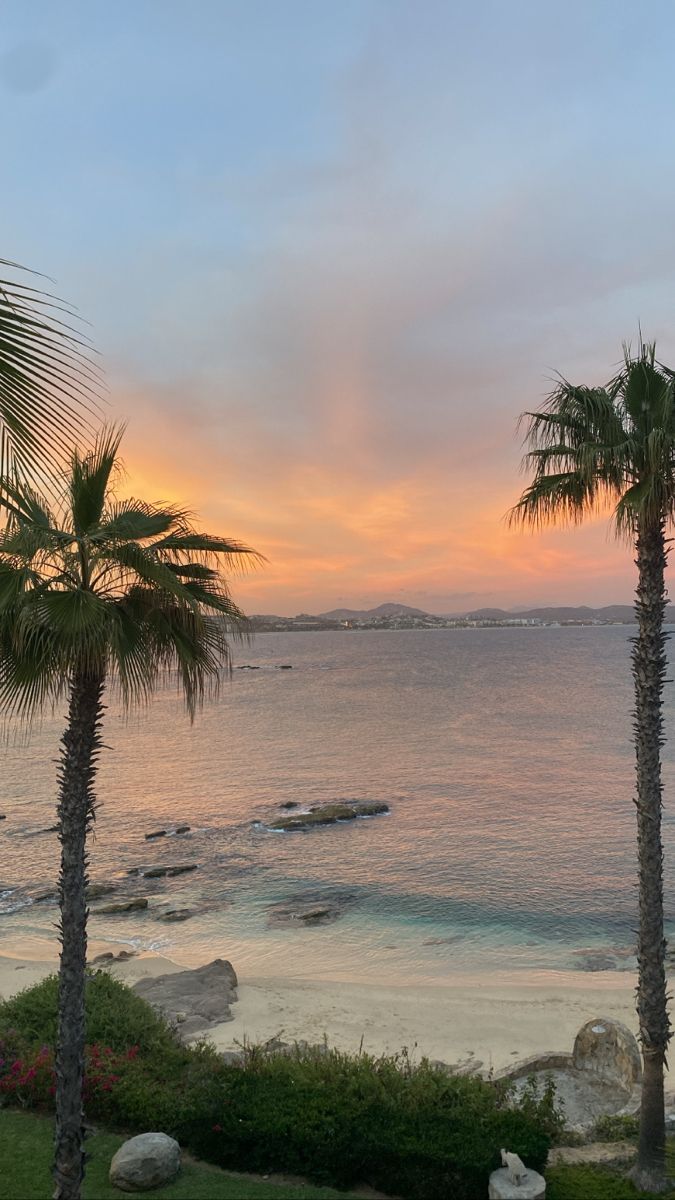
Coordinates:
(482, 1024)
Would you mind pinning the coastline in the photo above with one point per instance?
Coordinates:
(482, 1023)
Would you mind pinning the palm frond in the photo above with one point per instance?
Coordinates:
(89, 479)
(50, 385)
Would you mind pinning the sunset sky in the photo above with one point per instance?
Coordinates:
(330, 249)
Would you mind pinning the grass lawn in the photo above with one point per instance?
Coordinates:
(26, 1154)
(597, 1183)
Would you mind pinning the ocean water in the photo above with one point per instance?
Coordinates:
(505, 756)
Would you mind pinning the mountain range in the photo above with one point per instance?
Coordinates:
(622, 613)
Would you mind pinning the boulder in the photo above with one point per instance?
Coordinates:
(157, 834)
(122, 906)
(531, 1187)
(608, 1049)
(289, 804)
(203, 996)
(182, 829)
(145, 1162)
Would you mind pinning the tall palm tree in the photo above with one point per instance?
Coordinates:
(49, 383)
(589, 448)
(104, 589)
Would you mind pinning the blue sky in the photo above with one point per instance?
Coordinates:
(329, 251)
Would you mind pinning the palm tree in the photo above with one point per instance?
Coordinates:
(591, 448)
(103, 590)
(49, 385)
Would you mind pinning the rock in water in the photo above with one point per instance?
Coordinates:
(531, 1187)
(310, 908)
(203, 995)
(122, 906)
(145, 1162)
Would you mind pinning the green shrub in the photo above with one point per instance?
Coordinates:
(116, 1016)
(616, 1129)
(335, 1118)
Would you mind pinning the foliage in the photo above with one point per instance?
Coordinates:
(592, 447)
(49, 384)
(26, 1144)
(102, 586)
(336, 1118)
(539, 1101)
(115, 1015)
(615, 1128)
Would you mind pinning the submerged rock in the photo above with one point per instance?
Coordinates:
(122, 906)
(177, 914)
(159, 872)
(310, 908)
(108, 957)
(289, 804)
(96, 890)
(203, 997)
(182, 829)
(156, 834)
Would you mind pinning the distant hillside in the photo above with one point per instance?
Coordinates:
(382, 610)
(612, 612)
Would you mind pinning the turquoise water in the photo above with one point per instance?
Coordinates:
(505, 757)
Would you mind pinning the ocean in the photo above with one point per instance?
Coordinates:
(504, 755)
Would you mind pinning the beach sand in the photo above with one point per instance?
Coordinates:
(493, 1020)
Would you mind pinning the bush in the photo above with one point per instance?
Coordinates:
(336, 1118)
(116, 1016)
(616, 1129)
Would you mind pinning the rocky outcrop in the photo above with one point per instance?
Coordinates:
(330, 814)
(145, 1162)
(600, 1077)
(201, 997)
(310, 908)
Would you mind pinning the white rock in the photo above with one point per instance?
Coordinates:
(145, 1162)
(532, 1187)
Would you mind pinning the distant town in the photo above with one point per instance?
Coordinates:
(400, 616)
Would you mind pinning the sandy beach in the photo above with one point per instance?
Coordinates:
(493, 1021)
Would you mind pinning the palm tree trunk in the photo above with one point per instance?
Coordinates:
(649, 667)
(80, 746)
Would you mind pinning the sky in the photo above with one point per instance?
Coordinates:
(328, 252)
